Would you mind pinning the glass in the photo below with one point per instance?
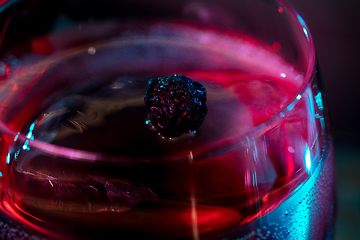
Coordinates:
(81, 159)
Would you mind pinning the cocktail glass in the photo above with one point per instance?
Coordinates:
(81, 159)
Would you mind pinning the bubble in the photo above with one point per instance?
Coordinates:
(92, 50)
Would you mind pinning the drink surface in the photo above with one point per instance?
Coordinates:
(87, 162)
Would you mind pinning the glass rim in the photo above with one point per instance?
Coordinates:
(197, 154)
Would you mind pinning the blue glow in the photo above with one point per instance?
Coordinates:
(298, 97)
(318, 100)
(29, 136)
(306, 32)
(311, 110)
(16, 155)
(283, 75)
(322, 122)
(1, 174)
(16, 137)
(319, 103)
(254, 179)
(301, 20)
(26, 145)
(307, 159)
(291, 106)
(8, 158)
(32, 126)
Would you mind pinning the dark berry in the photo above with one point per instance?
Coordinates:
(176, 104)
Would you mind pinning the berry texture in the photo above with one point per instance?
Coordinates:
(176, 104)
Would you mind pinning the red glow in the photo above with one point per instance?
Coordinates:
(210, 218)
(32, 216)
(276, 46)
(27, 109)
(42, 46)
(7, 208)
(280, 10)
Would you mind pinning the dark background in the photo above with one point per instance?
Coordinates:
(335, 27)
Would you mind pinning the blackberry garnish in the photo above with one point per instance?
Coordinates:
(176, 104)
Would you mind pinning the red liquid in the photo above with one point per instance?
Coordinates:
(136, 184)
